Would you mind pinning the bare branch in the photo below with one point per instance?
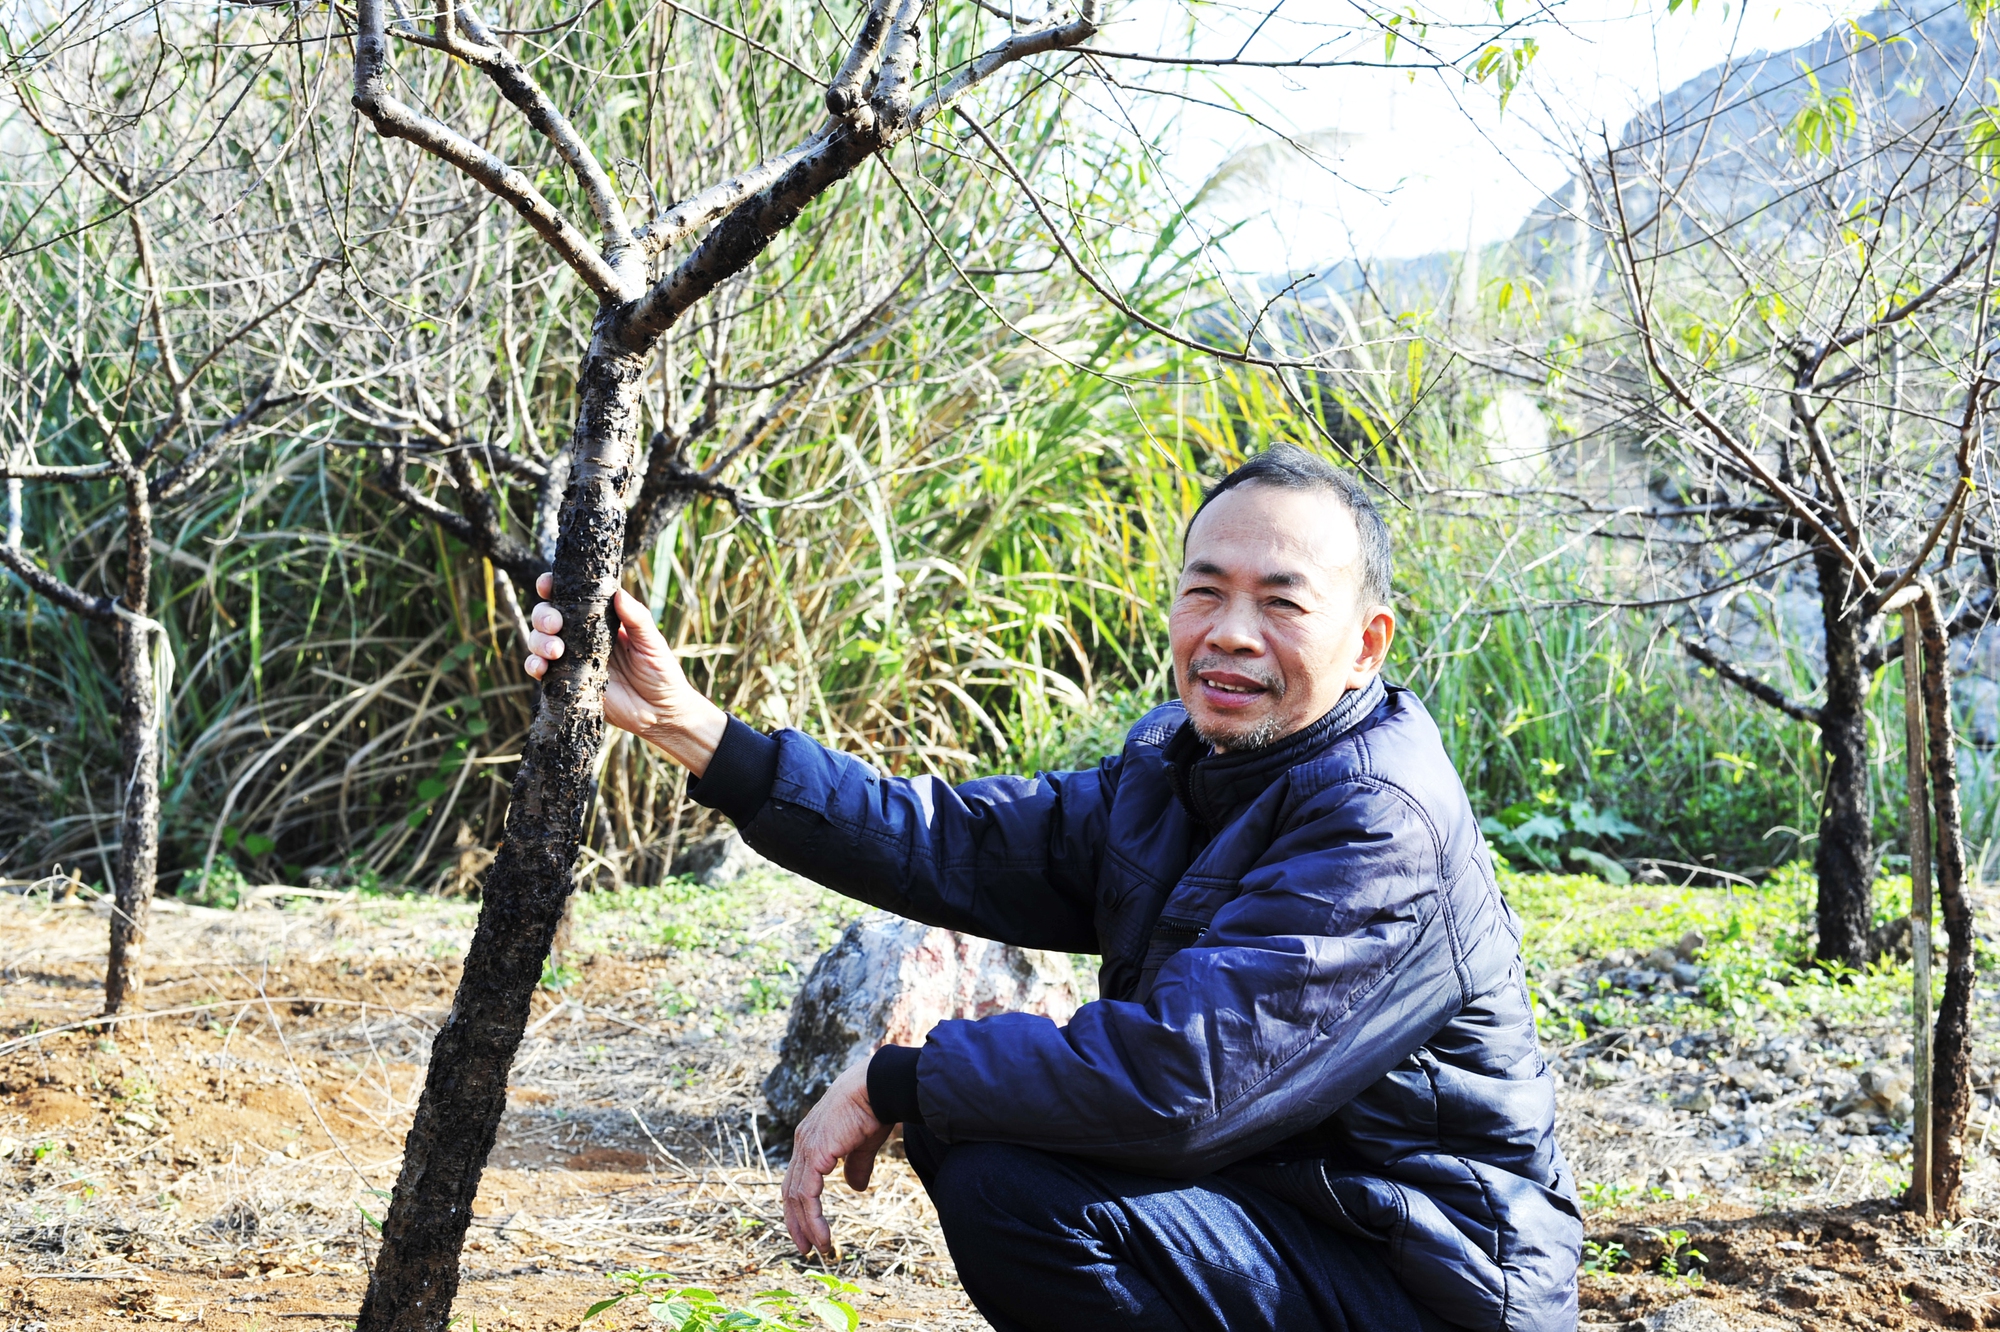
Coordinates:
(478, 528)
(176, 479)
(691, 215)
(1750, 684)
(520, 88)
(843, 95)
(37, 472)
(395, 120)
(1842, 341)
(1239, 356)
(1777, 489)
(54, 588)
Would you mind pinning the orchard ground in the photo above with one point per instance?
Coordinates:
(1738, 1123)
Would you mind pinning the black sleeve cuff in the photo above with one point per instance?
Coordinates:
(892, 1084)
(740, 775)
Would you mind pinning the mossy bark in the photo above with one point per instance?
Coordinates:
(523, 896)
(1951, 1040)
(1844, 857)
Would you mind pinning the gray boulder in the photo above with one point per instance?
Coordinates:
(888, 981)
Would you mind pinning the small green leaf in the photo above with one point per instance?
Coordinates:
(430, 788)
(602, 1305)
(415, 818)
(476, 726)
(230, 837)
(257, 844)
(837, 1316)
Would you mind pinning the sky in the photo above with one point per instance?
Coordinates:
(1404, 166)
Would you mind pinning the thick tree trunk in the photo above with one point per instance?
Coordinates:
(1951, 1042)
(465, 1090)
(1844, 859)
(139, 724)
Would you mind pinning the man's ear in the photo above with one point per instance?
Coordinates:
(1378, 631)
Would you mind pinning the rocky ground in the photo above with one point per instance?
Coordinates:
(222, 1161)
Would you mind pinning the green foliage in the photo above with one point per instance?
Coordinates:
(221, 885)
(693, 1309)
(1525, 825)
(1756, 956)
(1602, 1259)
(1822, 120)
(1680, 1262)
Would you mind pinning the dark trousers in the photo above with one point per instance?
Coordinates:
(1046, 1243)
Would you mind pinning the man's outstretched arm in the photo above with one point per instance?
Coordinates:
(1006, 858)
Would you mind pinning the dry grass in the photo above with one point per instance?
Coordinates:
(216, 1161)
(225, 1154)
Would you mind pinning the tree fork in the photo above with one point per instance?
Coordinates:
(522, 899)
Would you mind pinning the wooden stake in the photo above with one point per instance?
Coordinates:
(1916, 758)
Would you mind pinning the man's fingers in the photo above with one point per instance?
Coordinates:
(638, 621)
(806, 1224)
(544, 645)
(545, 586)
(804, 1220)
(546, 618)
(536, 667)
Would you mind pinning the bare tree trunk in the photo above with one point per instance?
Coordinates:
(139, 724)
(1951, 1044)
(1844, 859)
(465, 1091)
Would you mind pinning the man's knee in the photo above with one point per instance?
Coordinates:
(986, 1190)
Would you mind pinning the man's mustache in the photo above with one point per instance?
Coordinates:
(1271, 682)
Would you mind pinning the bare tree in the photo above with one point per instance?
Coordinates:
(1798, 352)
(873, 103)
(110, 360)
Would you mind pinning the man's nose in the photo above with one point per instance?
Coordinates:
(1236, 631)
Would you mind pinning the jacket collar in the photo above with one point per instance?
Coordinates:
(1213, 787)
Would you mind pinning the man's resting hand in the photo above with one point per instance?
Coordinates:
(647, 694)
(843, 1124)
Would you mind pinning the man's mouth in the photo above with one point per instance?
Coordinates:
(1227, 691)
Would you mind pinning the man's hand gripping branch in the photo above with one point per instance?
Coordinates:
(649, 696)
(647, 693)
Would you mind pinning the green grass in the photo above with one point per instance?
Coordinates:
(1756, 955)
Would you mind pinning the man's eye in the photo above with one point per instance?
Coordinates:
(1279, 603)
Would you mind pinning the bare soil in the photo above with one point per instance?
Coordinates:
(219, 1162)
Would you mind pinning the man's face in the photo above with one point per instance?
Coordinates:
(1267, 629)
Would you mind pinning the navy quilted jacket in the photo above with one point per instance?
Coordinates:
(1309, 977)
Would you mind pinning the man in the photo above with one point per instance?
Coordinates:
(1310, 1096)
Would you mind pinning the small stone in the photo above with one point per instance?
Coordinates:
(1902, 1108)
(1687, 973)
(1698, 1101)
(1661, 959)
(1690, 945)
(1602, 1072)
(715, 861)
(1856, 1124)
(1884, 1086)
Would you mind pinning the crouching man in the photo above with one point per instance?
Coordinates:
(1310, 1096)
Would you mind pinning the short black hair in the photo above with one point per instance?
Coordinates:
(1289, 467)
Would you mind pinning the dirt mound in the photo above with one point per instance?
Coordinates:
(1869, 1264)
